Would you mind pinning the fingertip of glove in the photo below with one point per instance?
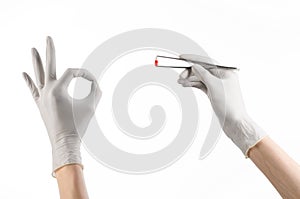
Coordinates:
(25, 76)
(49, 39)
(33, 51)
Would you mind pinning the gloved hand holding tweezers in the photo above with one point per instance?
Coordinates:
(222, 87)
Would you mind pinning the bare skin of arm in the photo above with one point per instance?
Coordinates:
(281, 170)
(71, 182)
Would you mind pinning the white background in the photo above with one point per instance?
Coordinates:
(261, 37)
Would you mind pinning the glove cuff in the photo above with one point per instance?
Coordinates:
(247, 134)
(66, 150)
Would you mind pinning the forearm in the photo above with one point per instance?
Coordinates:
(71, 182)
(282, 171)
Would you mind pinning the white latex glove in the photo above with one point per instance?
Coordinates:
(223, 90)
(55, 105)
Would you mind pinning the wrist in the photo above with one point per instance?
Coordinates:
(68, 170)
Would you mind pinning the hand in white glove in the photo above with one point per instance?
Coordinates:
(223, 90)
(55, 105)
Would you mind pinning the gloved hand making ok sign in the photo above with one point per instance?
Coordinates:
(56, 106)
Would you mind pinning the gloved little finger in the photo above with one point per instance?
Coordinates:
(33, 89)
(198, 85)
(189, 84)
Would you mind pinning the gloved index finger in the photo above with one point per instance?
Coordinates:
(205, 61)
(198, 59)
(71, 73)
